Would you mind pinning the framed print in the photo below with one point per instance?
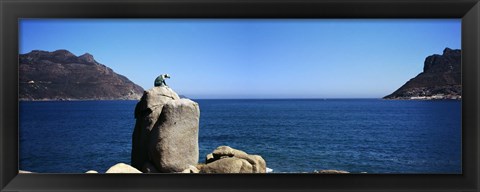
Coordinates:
(239, 95)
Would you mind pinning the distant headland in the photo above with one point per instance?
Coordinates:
(441, 79)
(61, 75)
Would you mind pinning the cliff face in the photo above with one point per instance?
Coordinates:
(60, 75)
(441, 79)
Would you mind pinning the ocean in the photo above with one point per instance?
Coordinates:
(292, 135)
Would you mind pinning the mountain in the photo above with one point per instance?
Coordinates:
(60, 75)
(441, 79)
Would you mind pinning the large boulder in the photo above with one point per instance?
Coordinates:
(147, 111)
(174, 137)
(228, 165)
(224, 156)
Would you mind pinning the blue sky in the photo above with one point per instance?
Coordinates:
(268, 58)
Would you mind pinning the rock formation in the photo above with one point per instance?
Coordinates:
(441, 79)
(228, 165)
(60, 75)
(174, 138)
(147, 111)
(225, 159)
(165, 137)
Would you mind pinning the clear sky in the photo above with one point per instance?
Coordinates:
(269, 58)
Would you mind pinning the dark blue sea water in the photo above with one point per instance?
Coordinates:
(356, 135)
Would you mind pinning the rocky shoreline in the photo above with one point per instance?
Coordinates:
(432, 97)
(123, 168)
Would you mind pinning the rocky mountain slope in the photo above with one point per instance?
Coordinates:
(441, 79)
(60, 75)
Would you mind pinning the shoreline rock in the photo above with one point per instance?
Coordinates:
(225, 159)
(165, 137)
(122, 168)
(174, 138)
(147, 112)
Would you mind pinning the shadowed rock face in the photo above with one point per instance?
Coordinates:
(440, 79)
(60, 75)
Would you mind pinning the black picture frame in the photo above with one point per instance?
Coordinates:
(11, 11)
